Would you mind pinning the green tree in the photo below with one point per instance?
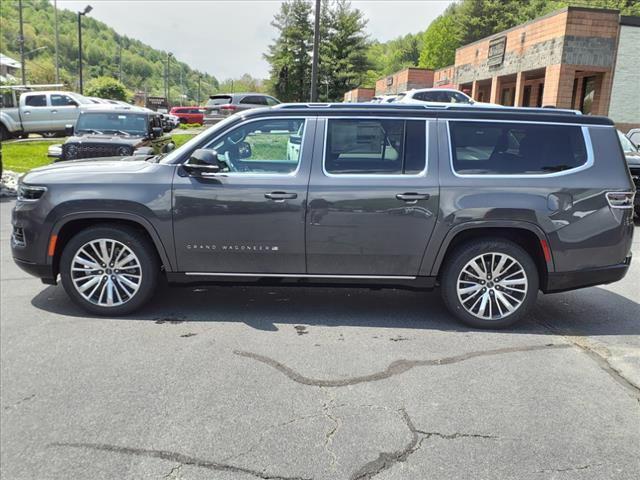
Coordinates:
(289, 54)
(439, 42)
(107, 87)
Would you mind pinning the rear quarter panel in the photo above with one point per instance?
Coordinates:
(570, 210)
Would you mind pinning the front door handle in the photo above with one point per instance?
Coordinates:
(280, 196)
(54, 111)
(412, 197)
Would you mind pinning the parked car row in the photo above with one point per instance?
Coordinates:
(433, 96)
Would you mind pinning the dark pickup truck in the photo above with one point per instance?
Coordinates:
(491, 205)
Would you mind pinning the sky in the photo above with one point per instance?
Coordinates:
(227, 38)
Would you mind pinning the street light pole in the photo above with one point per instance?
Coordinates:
(86, 10)
(314, 64)
(21, 41)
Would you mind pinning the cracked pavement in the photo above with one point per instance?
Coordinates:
(314, 383)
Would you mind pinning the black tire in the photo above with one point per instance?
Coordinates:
(4, 133)
(464, 254)
(135, 241)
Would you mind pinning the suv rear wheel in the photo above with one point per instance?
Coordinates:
(490, 283)
(109, 270)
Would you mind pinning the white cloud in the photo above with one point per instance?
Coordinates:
(228, 38)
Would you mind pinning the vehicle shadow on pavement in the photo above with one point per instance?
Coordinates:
(593, 311)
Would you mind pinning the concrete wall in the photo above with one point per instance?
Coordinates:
(625, 95)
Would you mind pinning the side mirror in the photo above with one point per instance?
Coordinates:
(203, 162)
(169, 147)
(244, 150)
(68, 130)
(156, 131)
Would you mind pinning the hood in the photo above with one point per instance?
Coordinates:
(104, 138)
(105, 165)
(633, 158)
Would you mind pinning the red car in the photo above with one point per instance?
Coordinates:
(188, 114)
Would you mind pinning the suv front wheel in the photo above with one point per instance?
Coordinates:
(109, 270)
(490, 283)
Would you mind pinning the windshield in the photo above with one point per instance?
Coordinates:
(195, 141)
(627, 146)
(104, 122)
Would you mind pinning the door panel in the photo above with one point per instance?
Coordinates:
(251, 218)
(36, 113)
(64, 111)
(371, 223)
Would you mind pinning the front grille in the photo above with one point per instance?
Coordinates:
(635, 175)
(18, 237)
(72, 151)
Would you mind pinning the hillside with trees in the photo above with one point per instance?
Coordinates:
(106, 53)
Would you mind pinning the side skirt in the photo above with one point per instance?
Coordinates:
(296, 280)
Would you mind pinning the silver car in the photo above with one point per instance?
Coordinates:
(222, 105)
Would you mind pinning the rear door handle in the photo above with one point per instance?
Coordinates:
(412, 197)
(280, 196)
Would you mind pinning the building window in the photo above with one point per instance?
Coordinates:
(492, 148)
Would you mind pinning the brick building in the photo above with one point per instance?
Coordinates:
(359, 95)
(404, 80)
(445, 77)
(582, 58)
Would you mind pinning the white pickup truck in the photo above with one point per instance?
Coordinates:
(45, 112)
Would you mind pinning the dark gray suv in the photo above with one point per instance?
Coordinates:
(490, 205)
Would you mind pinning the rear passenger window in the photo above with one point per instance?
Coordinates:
(36, 101)
(492, 148)
(375, 147)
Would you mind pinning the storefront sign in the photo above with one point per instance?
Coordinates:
(497, 47)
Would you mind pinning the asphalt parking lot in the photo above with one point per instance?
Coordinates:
(316, 383)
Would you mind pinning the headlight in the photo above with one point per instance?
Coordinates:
(30, 193)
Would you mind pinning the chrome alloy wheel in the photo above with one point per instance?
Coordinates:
(492, 286)
(106, 272)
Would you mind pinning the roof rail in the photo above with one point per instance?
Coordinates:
(416, 106)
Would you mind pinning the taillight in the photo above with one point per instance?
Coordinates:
(228, 108)
(620, 199)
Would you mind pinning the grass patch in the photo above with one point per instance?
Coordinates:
(181, 138)
(23, 156)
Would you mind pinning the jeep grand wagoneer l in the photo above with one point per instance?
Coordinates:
(490, 205)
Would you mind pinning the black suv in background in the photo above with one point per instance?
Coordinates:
(491, 205)
(114, 131)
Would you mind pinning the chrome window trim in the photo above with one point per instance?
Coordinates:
(263, 175)
(299, 275)
(585, 134)
(421, 174)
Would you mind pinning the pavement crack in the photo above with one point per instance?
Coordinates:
(395, 368)
(328, 442)
(570, 469)
(174, 473)
(386, 460)
(453, 436)
(25, 399)
(599, 354)
(175, 457)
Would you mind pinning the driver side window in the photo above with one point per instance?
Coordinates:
(264, 146)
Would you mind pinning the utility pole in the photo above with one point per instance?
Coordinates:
(120, 59)
(55, 16)
(21, 41)
(199, 79)
(314, 64)
(168, 86)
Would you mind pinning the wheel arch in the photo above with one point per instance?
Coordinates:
(527, 235)
(70, 224)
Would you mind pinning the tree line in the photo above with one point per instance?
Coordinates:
(350, 59)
